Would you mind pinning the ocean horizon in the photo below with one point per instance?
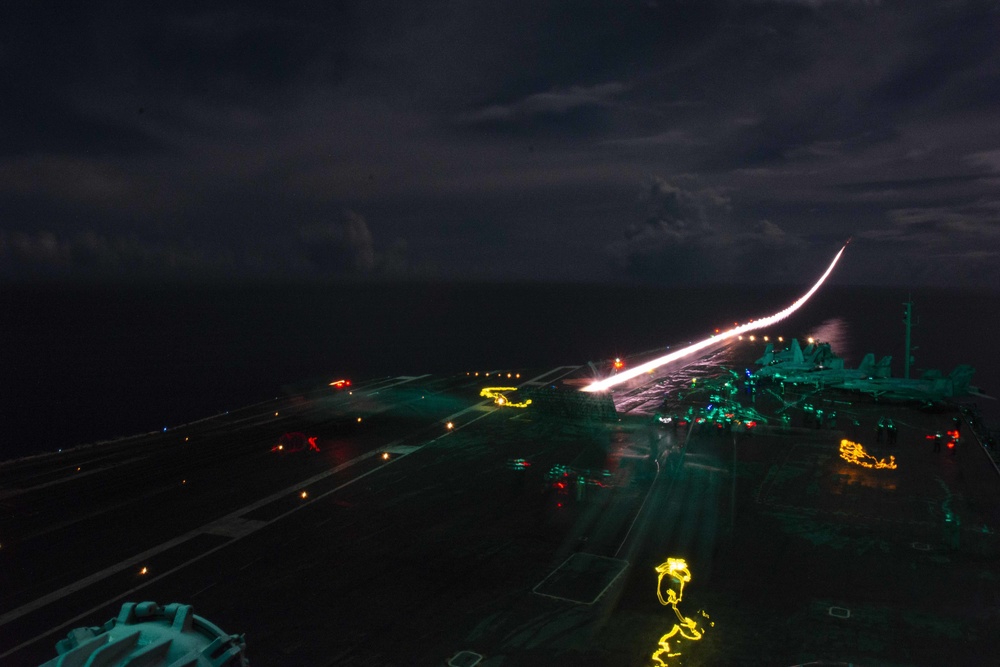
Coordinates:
(83, 364)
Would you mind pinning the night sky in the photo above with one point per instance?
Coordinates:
(653, 142)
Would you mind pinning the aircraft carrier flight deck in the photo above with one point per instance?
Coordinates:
(692, 516)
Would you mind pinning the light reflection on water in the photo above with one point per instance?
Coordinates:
(645, 395)
(835, 332)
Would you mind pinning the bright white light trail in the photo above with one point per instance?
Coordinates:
(609, 382)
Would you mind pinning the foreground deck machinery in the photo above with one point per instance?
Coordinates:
(144, 633)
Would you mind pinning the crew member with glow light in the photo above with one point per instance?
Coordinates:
(500, 399)
(676, 572)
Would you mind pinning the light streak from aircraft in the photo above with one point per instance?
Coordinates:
(752, 325)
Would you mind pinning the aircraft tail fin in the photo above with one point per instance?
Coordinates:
(882, 369)
(960, 378)
(823, 354)
(867, 364)
(797, 357)
(768, 355)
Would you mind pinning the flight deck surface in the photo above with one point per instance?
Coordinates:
(402, 541)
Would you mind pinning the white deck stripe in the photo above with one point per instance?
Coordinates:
(221, 525)
(145, 555)
(210, 528)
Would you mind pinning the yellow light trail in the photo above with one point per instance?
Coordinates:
(500, 399)
(649, 366)
(854, 452)
(686, 627)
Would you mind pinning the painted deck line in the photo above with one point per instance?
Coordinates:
(213, 527)
(620, 565)
(391, 382)
(401, 449)
(538, 381)
(71, 476)
(223, 524)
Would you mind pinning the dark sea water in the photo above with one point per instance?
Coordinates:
(82, 364)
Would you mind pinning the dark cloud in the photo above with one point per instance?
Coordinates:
(689, 236)
(977, 221)
(679, 215)
(577, 110)
(341, 247)
(550, 102)
(88, 255)
(989, 159)
(888, 185)
(231, 138)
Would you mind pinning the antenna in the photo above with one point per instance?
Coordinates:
(908, 323)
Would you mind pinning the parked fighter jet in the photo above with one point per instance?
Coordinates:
(932, 387)
(835, 374)
(816, 356)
